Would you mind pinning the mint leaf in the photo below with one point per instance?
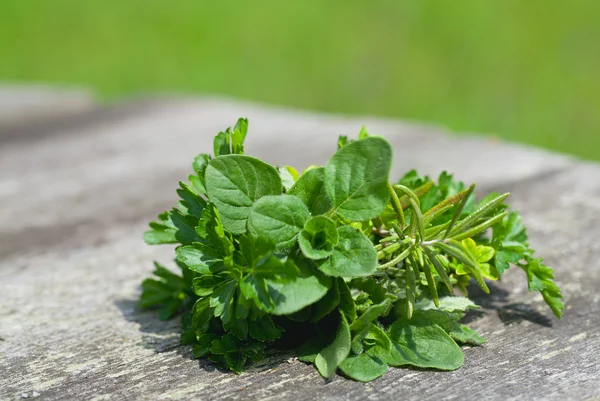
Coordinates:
(318, 237)
(279, 218)
(328, 360)
(353, 256)
(356, 178)
(234, 183)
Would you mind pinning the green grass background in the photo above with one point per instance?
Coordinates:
(525, 70)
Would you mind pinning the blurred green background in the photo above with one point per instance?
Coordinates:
(524, 70)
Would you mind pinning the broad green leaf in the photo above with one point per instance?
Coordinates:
(356, 178)
(466, 335)
(424, 345)
(279, 218)
(308, 287)
(234, 183)
(353, 256)
(363, 367)
(318, 237)
(310, 188)
(328, 360)
(448, 304)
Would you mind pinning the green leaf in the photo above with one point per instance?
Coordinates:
(306, 288)
(172, 227)
(327, 304)
(205, 284)
(376, 337)
(368, 316)
(287, 178)
(234, 183)
(222, 300)
(328, 360)
(256, 288)
(263, 329)
(167, 293)
(222, 144)
(202, 347)
(279, 218)
(347, 305)
(191, 202)
(200, 163)
(541, 278)
(448, 304)
(356, 178)
(254, 248)
(353, 256)
(318, 237)
(310, 188)
(423, 345)
(466, 335)
(238, 136)
(199, 257)
(376, 291)
(363, 367)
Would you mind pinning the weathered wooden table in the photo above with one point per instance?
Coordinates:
(75, 197)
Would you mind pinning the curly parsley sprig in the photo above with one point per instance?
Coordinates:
(355, 272)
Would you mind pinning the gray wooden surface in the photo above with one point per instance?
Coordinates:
(75, 199)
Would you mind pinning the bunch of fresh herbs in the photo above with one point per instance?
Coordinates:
(353, 272)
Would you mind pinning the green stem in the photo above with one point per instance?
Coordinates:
(397, 206)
